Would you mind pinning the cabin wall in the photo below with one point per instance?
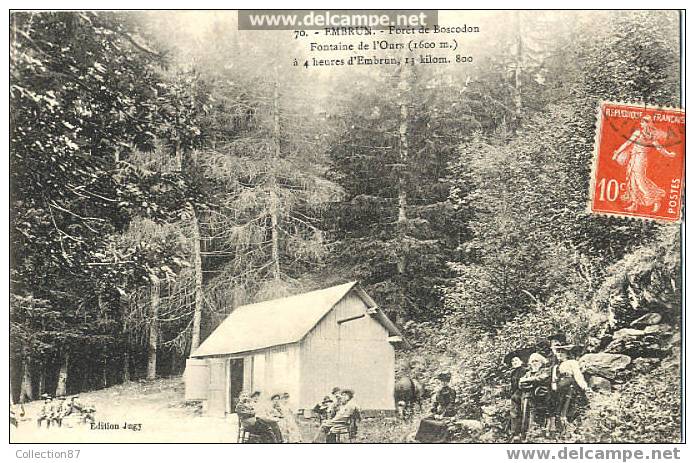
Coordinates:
(274, 370)
(277, 370)
(353, 354)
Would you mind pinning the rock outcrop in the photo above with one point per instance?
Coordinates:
(604, 364)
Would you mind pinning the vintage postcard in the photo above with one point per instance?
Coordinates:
(346, 226)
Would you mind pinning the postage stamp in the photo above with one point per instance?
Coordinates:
(639, 155)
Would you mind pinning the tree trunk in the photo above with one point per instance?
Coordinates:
(26, 392)
(42, 378)
(274, 235)
(518, 64)
(154, 329)
(274, 206)
(276, 113)
(61, 388)
(402, 221)
(174, 363)
(124, 301)
(198, 269)
(126, 365)
(197, 257)
(105, 373)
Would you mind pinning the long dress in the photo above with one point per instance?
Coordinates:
(639, 189)
(252, 422)
(432, 430)
(287, 423)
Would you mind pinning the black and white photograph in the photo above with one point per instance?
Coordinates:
(346, 226)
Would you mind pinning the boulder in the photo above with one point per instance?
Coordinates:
(661, 328)
(628, 333)
(644, 345)
(604, 364)
(599, 384)
(645, 365)
(652, 318)
(472, 426)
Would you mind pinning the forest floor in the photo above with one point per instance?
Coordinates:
(157, 408)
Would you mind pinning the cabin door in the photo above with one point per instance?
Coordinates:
(216, 391)
(236, 381)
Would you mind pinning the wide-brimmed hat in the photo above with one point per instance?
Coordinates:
(560, 337)
(570, 349)
(444, 376)
(524, 353)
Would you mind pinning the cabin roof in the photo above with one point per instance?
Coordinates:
(280, 321)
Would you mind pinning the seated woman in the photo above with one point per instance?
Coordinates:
(255, 420)
(344, 416)
(568, 385)
(289, 426)
(285, 418)
(435, 428)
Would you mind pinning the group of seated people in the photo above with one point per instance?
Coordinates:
(555, 386)
(338, 414)
(56, 412)
(273, 421)
(270, 419)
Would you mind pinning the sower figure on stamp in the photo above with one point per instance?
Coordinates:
(640, 190)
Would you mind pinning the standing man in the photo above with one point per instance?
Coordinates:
(514, 359)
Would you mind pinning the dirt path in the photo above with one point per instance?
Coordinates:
(151, 411)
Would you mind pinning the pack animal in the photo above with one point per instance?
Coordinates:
(408, 392)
